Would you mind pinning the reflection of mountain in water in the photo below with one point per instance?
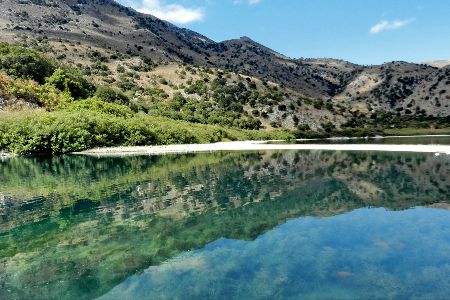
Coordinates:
(77, 226)
(363, 254)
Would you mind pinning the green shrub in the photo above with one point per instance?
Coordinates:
(199, 87)
(282, 107)
(158, 93)
(84, 125)
(97, 105)
(111, 95)
(163, 81)
(126, 84)
(44, 95)
(24, 63)
(328, 126)
(120, 69)
(71, 81)
(274, 124)
(299, 134)
(27, 90)
(178, 101)
(318, 104)
(304, 127)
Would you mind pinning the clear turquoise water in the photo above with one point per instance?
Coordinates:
(364, 254)
(247, 225)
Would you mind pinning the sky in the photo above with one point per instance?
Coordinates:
(360, 31)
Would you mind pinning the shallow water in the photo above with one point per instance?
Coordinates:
(247, 225)
(394, 140)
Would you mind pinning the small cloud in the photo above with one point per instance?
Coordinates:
(175, 13)
(385, 25)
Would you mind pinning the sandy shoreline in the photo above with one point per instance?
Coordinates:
(261, 145)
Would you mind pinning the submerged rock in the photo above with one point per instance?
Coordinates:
(343, 274)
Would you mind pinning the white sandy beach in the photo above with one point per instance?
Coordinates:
(261, 145)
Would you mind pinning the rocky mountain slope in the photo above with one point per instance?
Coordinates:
(104, 25)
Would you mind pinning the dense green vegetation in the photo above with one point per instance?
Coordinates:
(21, 62)
(76, 115)
(417, 131)
(92, 123)
(381, 123)
(214, 100)
(386, 119)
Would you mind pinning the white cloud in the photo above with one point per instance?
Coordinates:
(385, 25)
(252, 2)
(175, 13)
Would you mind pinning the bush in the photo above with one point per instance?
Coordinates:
(282, 107)
(27, 90)
(199, 88)
(318, 104)
(158, 93)
(24, 63)
(96, 105)
(304, 127)
(72, 82)
(120, 69)
(328, 126)
(177, 102)
(359, 132)
(83, 125)
(299, 134)
(43, 95)
(111, 95)
(127, 85)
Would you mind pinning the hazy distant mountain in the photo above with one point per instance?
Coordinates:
(438, 63)
(402, 87)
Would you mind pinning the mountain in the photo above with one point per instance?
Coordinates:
(104, 25)
(438, 63)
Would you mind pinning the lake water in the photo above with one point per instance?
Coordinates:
(393, 140)
(241, 225)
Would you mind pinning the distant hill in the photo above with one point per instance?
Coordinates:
(438, 63)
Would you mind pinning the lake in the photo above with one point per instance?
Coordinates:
(240, 225)
(389, 140)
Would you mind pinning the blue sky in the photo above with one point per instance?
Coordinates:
(360, 31)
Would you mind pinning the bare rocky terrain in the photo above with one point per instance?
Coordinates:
(74, 30)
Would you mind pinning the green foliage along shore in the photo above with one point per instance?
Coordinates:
(91, 123)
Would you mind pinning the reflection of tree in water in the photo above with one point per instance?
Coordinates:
(88, 223)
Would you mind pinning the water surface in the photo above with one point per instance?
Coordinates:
(389, 140)
(242, 225)
(365, 254)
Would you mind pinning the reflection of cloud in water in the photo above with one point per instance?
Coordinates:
(363, 254)
(183, 263)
